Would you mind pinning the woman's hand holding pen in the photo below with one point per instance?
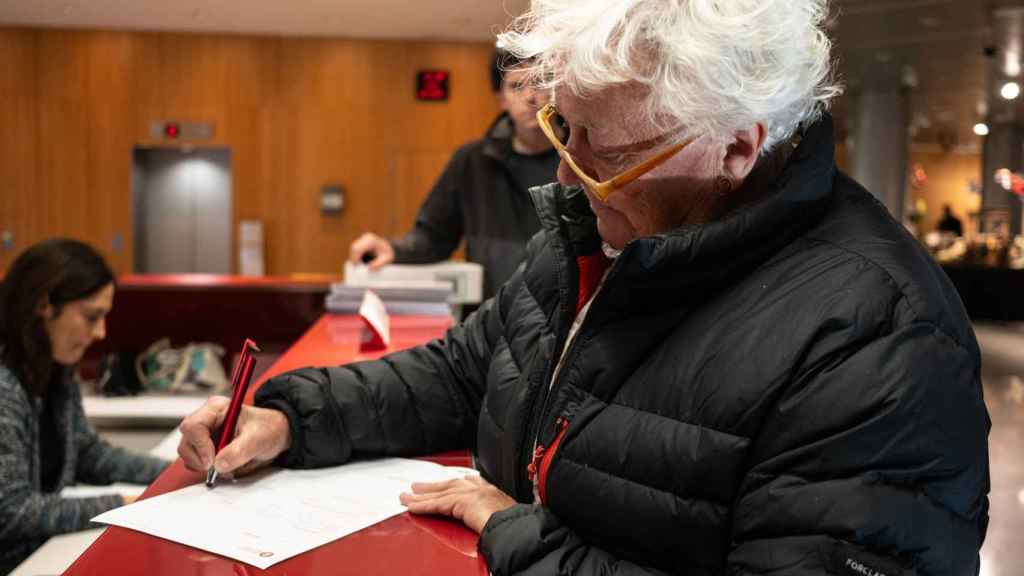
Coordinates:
(260, 436)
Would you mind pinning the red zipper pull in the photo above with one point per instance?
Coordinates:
(562, 425)
(538, 452)
(531, 468)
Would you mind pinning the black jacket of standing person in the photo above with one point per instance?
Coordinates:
(792, 389)
(482, 196)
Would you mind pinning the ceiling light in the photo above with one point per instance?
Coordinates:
(1010, 91)
(981, 129)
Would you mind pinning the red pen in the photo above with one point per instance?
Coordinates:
(240, 377)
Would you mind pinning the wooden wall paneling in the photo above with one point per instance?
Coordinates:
(63, 192)
(299, 60)
(250, 119)
(194, 75)
(391, 86)
(345, 153)
(330, 138)
(108, 101)
(17, 140)
(296, 113)
(358, 154)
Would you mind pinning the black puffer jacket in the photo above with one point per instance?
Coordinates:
(791, 390)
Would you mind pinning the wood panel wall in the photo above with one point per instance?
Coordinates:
(296, 113)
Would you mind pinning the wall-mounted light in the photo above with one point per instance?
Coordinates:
(1010, 91)
(981, 129)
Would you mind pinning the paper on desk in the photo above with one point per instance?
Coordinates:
(270, 517)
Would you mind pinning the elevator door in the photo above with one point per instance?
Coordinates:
(182, 210)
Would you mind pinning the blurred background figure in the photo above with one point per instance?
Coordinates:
(482, 193)
(949, 222)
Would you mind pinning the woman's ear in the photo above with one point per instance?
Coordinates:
(742, 153)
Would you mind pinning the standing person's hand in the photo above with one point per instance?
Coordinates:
(261, 435)
(379, 248)
(471, 499)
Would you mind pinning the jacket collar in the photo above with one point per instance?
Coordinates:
(498, 139)
(716, 250)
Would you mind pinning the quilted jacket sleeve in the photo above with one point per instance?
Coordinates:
(529, 540)
(419, 401)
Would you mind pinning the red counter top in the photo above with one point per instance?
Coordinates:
(404, 544)
(298, 282)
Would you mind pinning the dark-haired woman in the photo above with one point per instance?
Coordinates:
(53, 305)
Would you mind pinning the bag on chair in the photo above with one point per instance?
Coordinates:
(193, 369)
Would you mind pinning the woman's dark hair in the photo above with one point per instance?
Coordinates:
(57, 271)
(501, 63)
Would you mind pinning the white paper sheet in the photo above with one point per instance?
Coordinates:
(272, 516)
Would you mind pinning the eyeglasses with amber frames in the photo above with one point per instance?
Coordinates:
(559, 137)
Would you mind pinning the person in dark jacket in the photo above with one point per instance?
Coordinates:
(482, 193)
(949, 222)
(53, 305)
(721, 356)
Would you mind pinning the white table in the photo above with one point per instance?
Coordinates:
(58, 554)
(146, 411)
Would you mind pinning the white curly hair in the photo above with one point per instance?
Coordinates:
(713, 65)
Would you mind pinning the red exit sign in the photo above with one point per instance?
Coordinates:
(432, 85)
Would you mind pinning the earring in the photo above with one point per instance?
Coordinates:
(723, 185)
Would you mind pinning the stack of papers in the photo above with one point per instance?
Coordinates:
(277, 514)
(401, 298)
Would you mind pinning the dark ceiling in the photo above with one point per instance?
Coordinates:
(951, 55)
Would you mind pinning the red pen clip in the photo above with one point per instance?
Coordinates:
(240, 378)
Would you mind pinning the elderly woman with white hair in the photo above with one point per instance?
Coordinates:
(721, 356)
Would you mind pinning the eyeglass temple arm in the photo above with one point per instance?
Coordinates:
(649, 164)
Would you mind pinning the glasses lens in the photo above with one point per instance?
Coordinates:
(560, 127)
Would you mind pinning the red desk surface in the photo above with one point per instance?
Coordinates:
(297, 282)
(403, 544)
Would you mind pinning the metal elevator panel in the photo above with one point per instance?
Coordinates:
(182, 209)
